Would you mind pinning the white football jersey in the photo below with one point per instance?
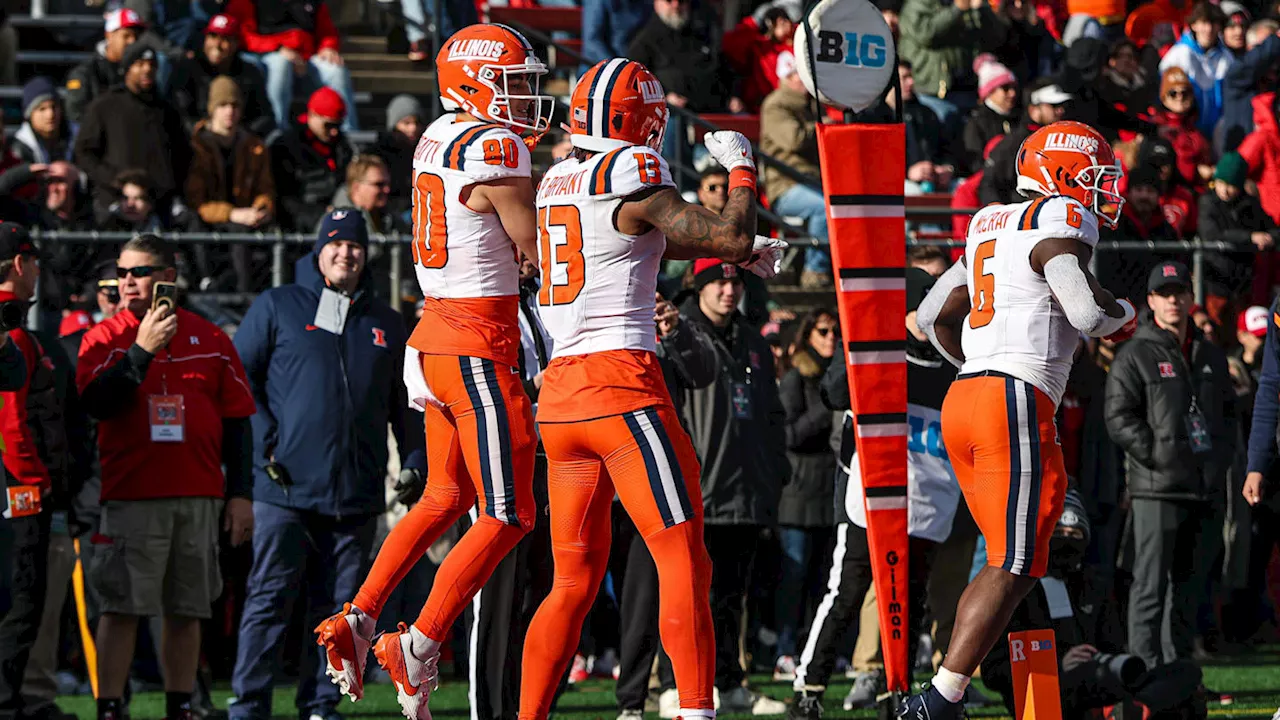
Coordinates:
(459, 253)
(1015, 324)
(598, 284)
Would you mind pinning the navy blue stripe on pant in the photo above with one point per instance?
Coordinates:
(297, 555)
(504, 443)
(471, 382)
(1015, 474)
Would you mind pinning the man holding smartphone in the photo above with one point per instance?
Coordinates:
(172, 402)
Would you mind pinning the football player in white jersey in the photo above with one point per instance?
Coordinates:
(1009, 314)
(607, 216)
(472, 209)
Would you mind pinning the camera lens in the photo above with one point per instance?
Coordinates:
(1128, 669)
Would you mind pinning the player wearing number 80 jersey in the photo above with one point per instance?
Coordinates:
(606, 217)
(1009, 314)
(472, 209)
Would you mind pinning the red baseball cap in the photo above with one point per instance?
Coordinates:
(1253, 321)
(223, 25)
(123, 18)
(325, 102)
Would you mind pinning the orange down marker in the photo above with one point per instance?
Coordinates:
(1033, 658)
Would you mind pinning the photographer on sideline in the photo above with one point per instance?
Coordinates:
(1089, 679)
(172, 404)
(33, 439)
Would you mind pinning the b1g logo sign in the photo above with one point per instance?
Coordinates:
(853, 49)
(844, 53)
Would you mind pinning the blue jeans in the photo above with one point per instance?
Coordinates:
(457, 15)
(280, 84)
(798, 545)
(804, 202)
(294, 550)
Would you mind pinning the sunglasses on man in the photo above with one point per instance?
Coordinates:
(140, 271)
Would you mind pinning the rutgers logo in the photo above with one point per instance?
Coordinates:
(477, 50)
(379, 337)
(1166, 370)
(1071, 143)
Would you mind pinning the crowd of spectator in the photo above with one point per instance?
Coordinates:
(179, 123)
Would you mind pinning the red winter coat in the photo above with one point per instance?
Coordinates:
(1261, 149)
(1189, 145)
(306, 44)
(754, 58)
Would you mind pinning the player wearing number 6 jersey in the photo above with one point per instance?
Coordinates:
(606, 217)
(1009, 314)
(472, 209)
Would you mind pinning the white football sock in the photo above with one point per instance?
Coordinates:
(364, 621)
(951, 685)
(422, 646)
(688, 714)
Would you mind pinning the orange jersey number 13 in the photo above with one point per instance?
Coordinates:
(429, 232)
(982, 308)
(567, 255)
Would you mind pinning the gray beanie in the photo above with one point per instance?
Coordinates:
(401, 107)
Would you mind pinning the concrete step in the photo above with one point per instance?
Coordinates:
(364, 44)
(395, 81)
(381, 62)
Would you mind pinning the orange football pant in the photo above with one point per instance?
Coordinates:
(647, 458)
(1000, 434)
(480, 447)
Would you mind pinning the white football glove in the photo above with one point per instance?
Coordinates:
(730, 148)
(766, 256)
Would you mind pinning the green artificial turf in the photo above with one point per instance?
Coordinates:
(1253, 680)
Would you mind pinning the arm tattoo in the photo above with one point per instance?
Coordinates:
(693, 231)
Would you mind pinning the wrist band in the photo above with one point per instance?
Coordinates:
(742, 177)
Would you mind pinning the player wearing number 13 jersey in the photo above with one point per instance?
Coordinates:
(1009, 314)
(606, 217)
(472, 210)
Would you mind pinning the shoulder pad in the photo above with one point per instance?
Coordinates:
(487, 152)
(1059, 216)
(629, 170)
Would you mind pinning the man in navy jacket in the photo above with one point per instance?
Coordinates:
(1251, 75)
(1266, 409)
(324, 361)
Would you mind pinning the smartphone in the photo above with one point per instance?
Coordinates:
(164, 294)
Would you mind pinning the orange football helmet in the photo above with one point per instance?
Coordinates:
(1072, 159)
(476, 68)
(617, 103)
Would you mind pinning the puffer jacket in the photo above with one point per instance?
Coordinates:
(1149, 393)
(1261, 149)
(806, 500)
(307, 173)
(744, 462)
(1190, 146)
